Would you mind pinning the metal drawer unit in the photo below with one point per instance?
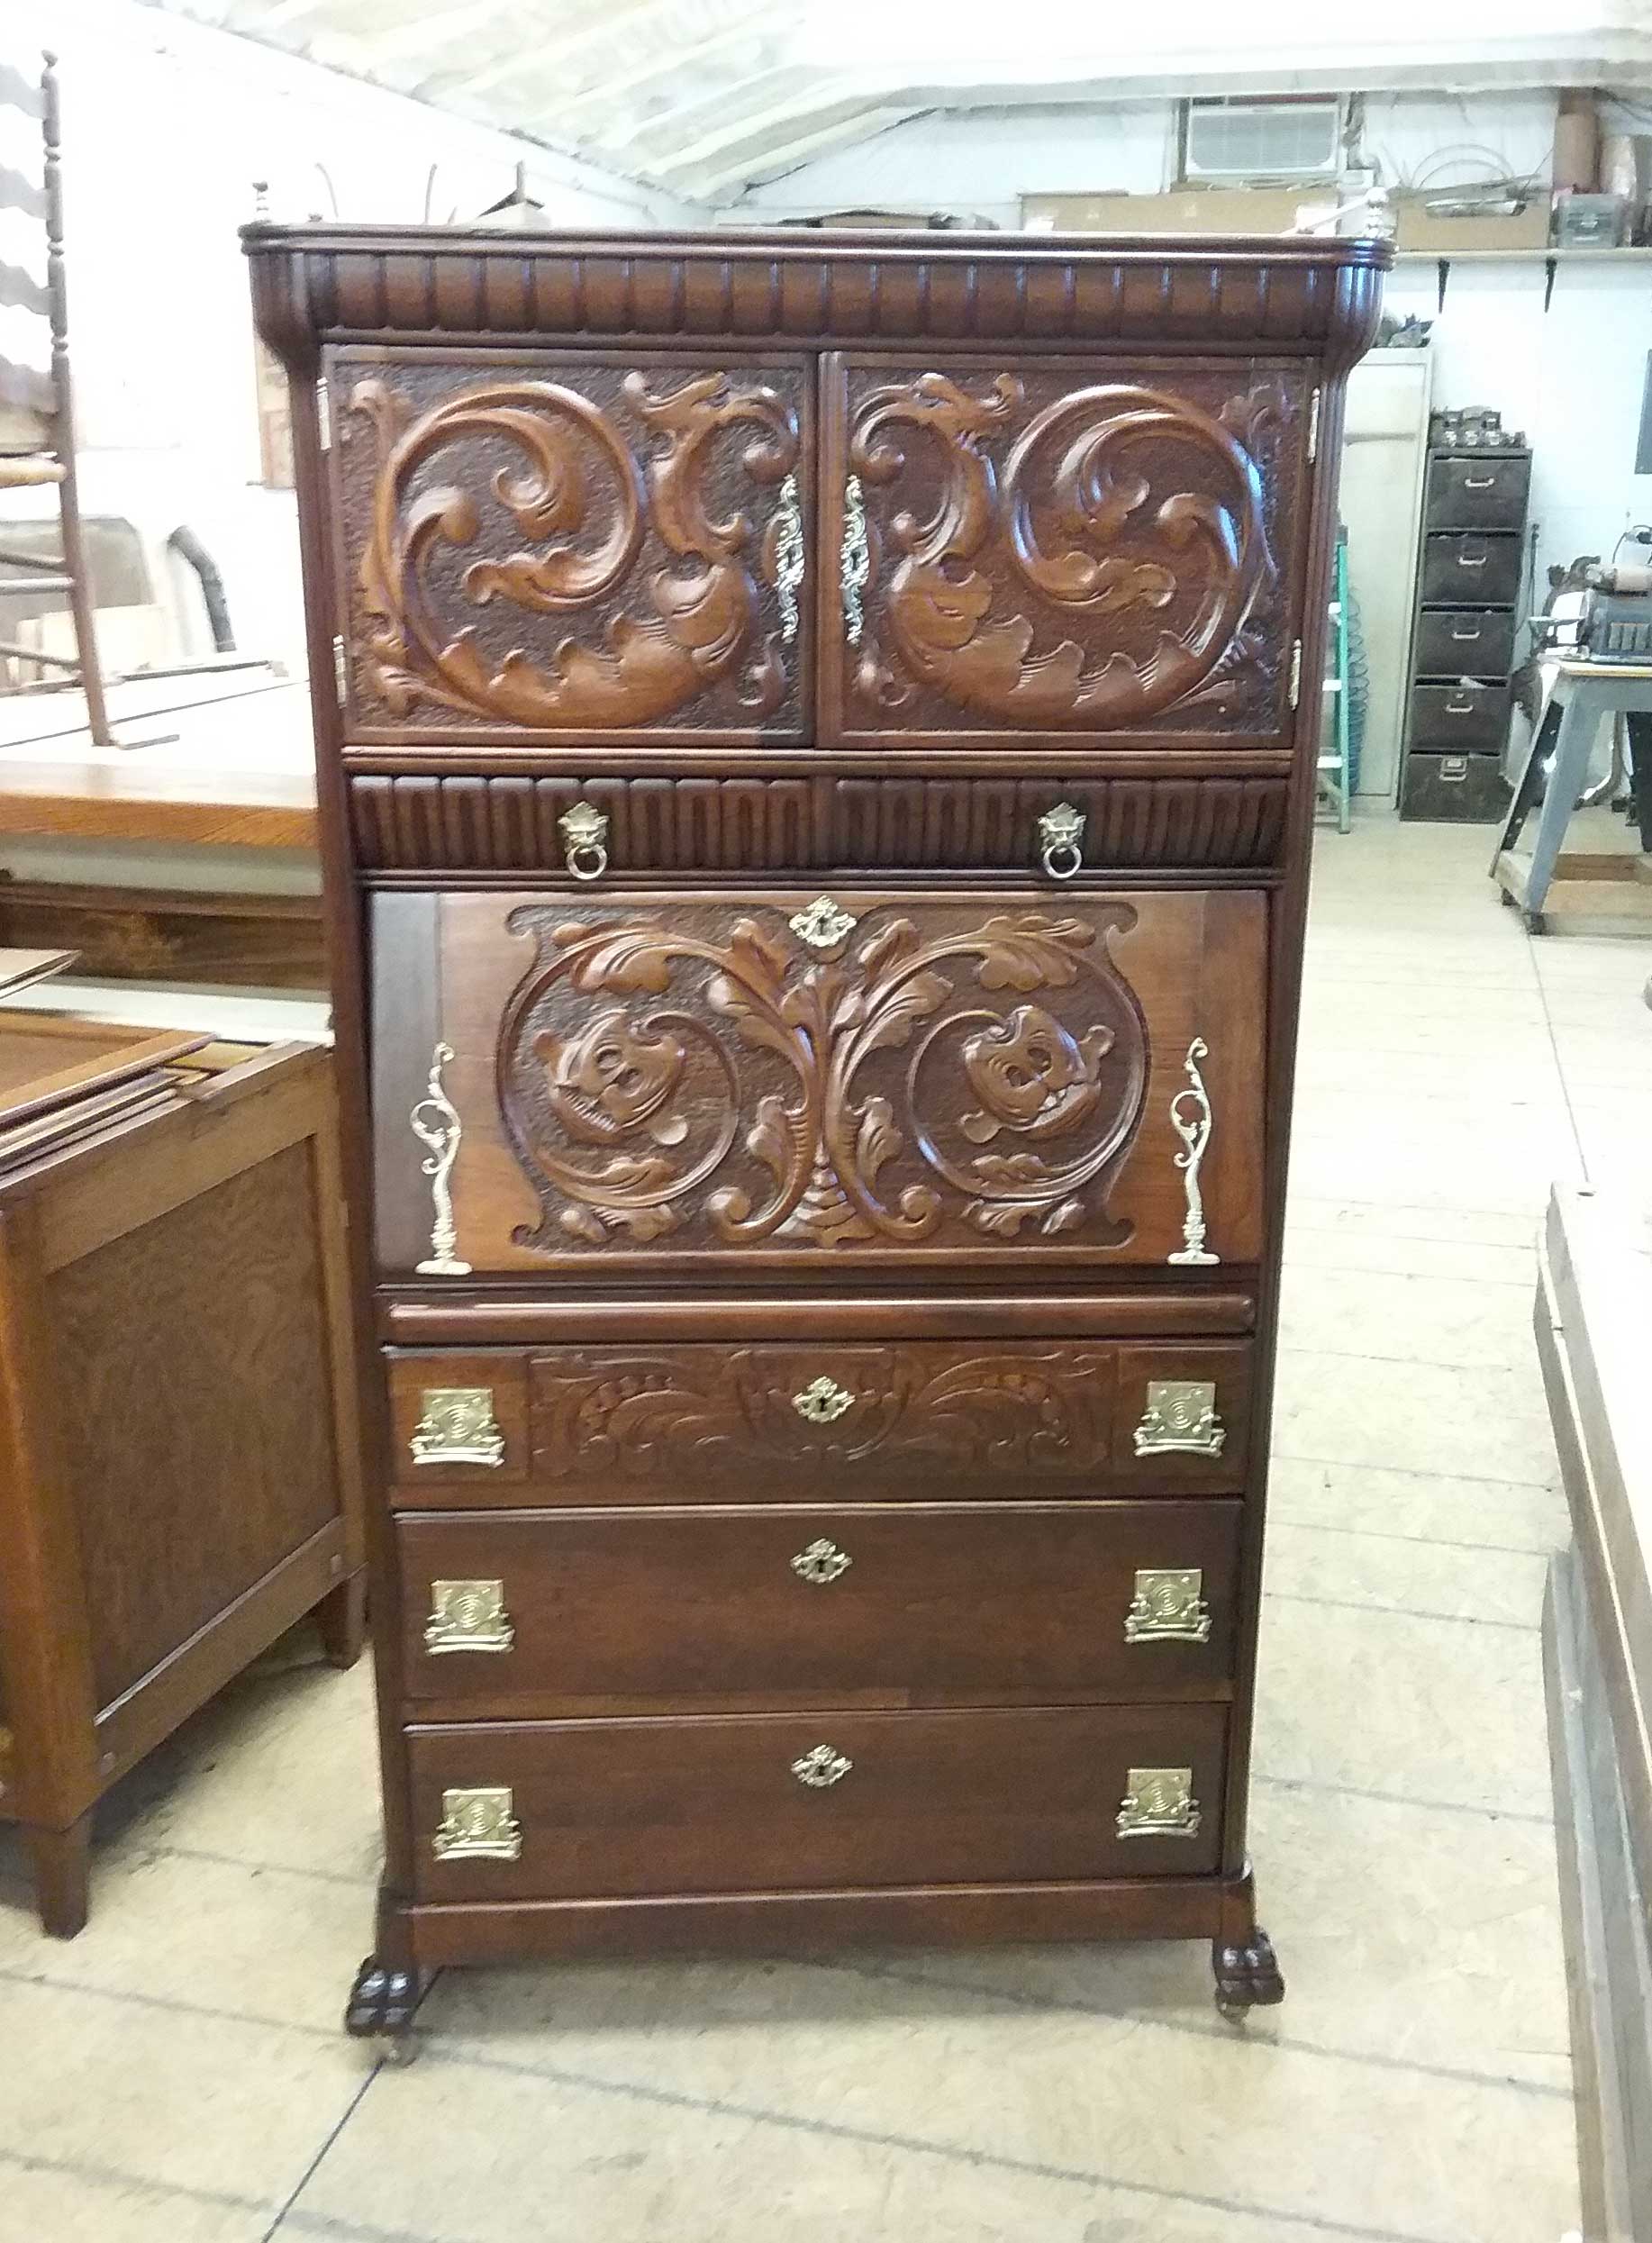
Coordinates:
(1467, 635)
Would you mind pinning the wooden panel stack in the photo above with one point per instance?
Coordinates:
(817, 808)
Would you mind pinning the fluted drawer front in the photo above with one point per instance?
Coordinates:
(745, 1802)
(662, 1422)
(632, 1081)
(854, 1605)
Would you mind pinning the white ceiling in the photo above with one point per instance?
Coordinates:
(707, 96)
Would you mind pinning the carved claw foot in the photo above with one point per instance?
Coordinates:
(382, 2003)
(1246, 1977)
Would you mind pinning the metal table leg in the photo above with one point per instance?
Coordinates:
(1586, 701)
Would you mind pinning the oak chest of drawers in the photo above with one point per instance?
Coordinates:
(817, 812)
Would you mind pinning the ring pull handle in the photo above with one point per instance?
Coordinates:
(791, 559)
(855, 561)
(1061, 833)
(585, 839)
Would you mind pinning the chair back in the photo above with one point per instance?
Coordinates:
(31, 388)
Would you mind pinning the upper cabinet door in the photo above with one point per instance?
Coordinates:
(572, 545)
(1062, 549)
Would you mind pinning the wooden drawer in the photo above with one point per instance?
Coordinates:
(775, 1424)
(632, 1084)
(746, 1802)
(885, 1605)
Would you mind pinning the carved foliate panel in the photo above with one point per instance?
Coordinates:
(572, 545)
(680, 1077)
(650, 1416)
(1060, 549)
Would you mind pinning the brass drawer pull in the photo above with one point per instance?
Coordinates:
(469, 1616)
(821, 1766)
(1168, 1607)
(791, 559)
(1159, 1802)
(855, 559)
(1180, 1420)
(458, 1426)
(584, 840)
(820, 1563)
(477, 1826)
(822, 1401)
(1061, 833)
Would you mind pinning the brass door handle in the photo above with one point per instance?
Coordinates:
(856, 560)
(791, 559)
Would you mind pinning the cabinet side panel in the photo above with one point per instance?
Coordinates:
(196, 1405)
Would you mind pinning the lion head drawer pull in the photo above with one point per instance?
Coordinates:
(477, 1826)
(1168, 1606)
(821, 1766)
(584, 840)
(435, 1123)
(1159, 1802)
(1190, 1118)
(791, 559)
(1061, 833)
(458, 1426)
(469, 1616)
(1180, 1420)
(822, 1563)
(822, 1401)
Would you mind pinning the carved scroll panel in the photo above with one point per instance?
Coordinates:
(802, 1079)
(1062, 549)
(572, 545)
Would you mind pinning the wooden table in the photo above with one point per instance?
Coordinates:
(190, 861)
(1583, 694)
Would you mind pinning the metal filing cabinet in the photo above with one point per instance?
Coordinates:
(1464, 645)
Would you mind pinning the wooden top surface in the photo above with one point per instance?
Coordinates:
(237, 773)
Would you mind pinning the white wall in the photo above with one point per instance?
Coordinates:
(166, 126)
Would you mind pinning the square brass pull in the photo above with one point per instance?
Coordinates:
(458, 1426)
(1180, 1418)
(1168, 1607)
(467, 1616)
(477, 1825)
(1159, 1802)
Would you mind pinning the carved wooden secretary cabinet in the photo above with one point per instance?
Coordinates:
(816, 739)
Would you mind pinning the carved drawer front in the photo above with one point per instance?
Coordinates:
(1066, 546)
(910, 1420)
(799, 1079)
(552, 1811)
(573, 543)
(703, 1610)
(513, 821)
